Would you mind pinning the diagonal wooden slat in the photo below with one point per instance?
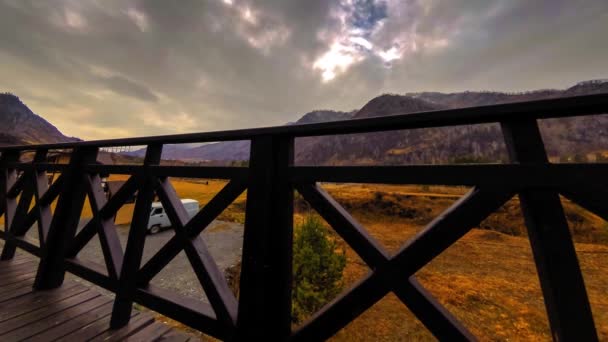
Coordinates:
(135, 243)
(43, 212)
(40, 186)
(344, 224)
(450, 226)
(593, 199)
(211, 278)
(66, 219)
(18, 186)
(557, 265)
(193, 228)
(343, 309)
(430, 312)
(52, 192)
(17, 227)
(7, 179)
(441, 233)
(43, 202)
(106, 212)
(110, 244)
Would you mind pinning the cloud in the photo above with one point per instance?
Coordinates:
(126, 87)
(218, 64)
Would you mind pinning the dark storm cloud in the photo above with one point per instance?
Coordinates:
(129, 67)
(123, 86)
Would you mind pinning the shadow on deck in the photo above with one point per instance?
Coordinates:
(72, 312)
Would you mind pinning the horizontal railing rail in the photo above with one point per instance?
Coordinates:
(263, 307)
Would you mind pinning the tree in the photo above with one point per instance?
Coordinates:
(317, 268)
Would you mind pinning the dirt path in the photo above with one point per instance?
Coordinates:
(224, 241)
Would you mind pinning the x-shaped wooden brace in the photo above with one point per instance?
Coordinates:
(102, 222)
(187, 238)
(33, 184)
(397, 273)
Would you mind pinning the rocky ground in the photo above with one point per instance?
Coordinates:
(223, 239)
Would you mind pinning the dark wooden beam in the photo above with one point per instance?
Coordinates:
(123, 303)
(265, 284)
(556, 262)
(65, 221)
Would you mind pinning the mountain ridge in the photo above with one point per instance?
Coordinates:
(438, 145)
(481, 143)
(21, 126)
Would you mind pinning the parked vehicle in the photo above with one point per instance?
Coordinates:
(159, 220)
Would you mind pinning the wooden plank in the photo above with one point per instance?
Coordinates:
(66, 219)
(556, 262)
(20, 284)
(46, 311)
(106, 212)
(209, 275)
(139, 322)
(47, 323)
(34, 301)
(90, 271)
(266, 274)
(151, 332)
(194, 228)
(17, 278)
(592, 198)
(355, 235)
(74, 324)
(43, 210)
(108, 237)
(440, 322)
(175, 336)
(7, 179)
(21, 266)
(537, 175)
(72, 286)
(94, 329)
(17, 260)
(17, 226)
(136, 241)
(16, 290)
(196, 314)
(342, 310)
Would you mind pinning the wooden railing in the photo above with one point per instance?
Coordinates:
(263, 307)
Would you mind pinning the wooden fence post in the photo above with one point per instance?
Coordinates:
(66, 219)
(560, 276)
(265, 285)
(127, 282)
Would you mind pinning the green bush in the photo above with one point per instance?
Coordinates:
(317, 268)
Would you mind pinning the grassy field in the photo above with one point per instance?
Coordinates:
(487, 279)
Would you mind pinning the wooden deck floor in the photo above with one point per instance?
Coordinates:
(73, 312)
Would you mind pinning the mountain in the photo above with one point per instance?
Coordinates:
(565, 138)
(21, 126)
(237, 150)
(478, 143)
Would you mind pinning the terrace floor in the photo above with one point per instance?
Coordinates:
(73, 312)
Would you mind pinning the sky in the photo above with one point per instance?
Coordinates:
(108, 69)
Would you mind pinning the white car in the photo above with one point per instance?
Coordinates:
(158, 217)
